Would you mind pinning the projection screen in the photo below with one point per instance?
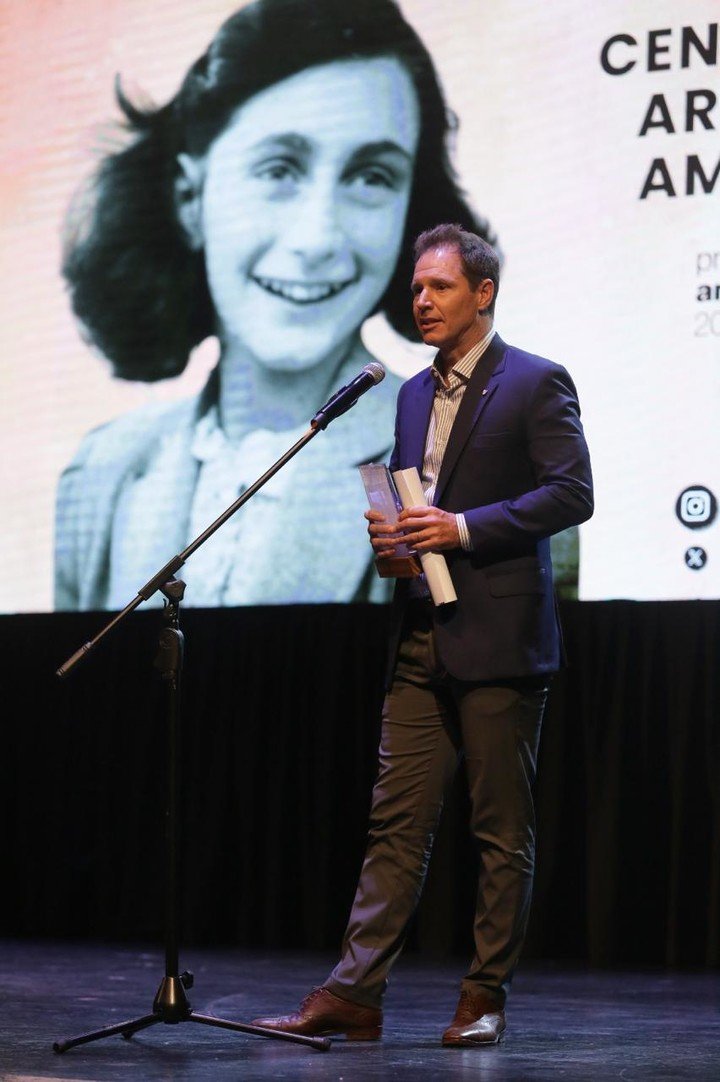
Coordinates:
(587, 142)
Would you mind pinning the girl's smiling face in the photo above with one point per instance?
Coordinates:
(300, 205)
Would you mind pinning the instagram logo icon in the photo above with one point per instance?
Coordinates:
(696, 507)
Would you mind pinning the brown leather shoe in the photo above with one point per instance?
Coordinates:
(478, 1020)
(323, 1014)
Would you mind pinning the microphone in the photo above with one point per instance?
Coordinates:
(347, 396)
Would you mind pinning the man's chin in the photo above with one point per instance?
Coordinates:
(432, 338)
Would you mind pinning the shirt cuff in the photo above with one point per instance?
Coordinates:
(465, 541)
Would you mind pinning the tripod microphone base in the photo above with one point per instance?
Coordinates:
(171, 1006)
(171, 1003)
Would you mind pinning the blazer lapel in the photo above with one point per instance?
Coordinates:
(417, 411)
(479, 391)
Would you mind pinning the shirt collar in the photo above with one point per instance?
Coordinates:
(348, 443)
(465, 366)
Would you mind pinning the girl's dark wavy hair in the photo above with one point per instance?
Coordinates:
(139, 291)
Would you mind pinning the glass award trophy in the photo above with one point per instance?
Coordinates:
(383, 496)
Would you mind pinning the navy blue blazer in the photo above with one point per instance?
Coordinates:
(517, 466)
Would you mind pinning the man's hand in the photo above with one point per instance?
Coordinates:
(428, 529)
(383, 534)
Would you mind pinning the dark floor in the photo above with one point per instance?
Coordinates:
(562, 1022)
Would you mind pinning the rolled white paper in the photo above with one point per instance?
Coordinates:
(434, 566)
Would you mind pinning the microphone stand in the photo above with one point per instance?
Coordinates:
(171, 1004)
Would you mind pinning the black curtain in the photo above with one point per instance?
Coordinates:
(280, 719)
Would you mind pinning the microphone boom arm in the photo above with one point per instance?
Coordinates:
(335, 407)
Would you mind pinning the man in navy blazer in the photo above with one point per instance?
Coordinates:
(517, 466)
(495, 435)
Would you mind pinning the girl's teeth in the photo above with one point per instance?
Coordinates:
(299, 292)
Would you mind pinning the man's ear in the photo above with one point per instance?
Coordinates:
(188, 199)
(485, 294)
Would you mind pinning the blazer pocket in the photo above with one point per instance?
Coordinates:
(496, 440)
(509, 582)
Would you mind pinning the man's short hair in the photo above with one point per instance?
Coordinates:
(479, 259)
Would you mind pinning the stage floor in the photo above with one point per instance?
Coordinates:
(563, 1022)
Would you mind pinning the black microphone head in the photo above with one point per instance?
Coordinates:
(375, 370)
(347, 396)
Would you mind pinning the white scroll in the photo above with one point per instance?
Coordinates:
(435, 568)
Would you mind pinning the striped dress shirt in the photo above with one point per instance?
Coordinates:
(446, 403)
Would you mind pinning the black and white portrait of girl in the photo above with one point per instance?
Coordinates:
(272, 203)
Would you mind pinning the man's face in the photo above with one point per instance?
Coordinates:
(445, 304)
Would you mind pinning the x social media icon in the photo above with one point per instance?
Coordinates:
(695, 558)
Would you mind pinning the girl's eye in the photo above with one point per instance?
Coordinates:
(278, 171)
(372, 184)
(377, 176)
